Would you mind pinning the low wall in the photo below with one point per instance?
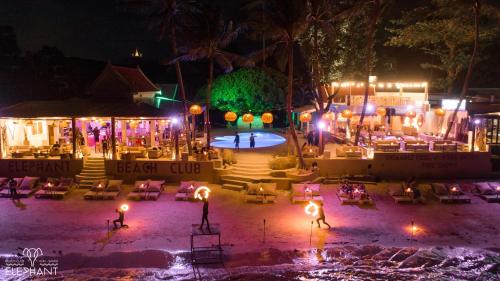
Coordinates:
(171, 171)
(432, 165)
(338, 166)
(400, 165)
(40, 167)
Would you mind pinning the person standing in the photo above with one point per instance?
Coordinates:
(120, 219)
(204, 217)
(13, 188)
(310, 138)
(252, 140)
(105, 147)
(321, 216)
(96, 132)
(237, 141)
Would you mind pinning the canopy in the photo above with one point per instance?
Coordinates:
(90, 107)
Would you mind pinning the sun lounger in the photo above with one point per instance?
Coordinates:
(96, 190)
(25, 187)
(186, 190)
(488, 191)
(261, 193)
(449, 193)
(5, 192)
(146, 190)
(109, 190)
(305, 192)
(4, 183)
(55, 188)
(353, 194)
(401, 195)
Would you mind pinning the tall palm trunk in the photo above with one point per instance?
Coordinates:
(208, 99)
(368, 61)
(289, 104)
(468, 75)
(317, 79)
(180, 81)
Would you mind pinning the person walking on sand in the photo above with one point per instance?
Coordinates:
(321, 216)
(252, 140)
(204, 217)
(310, 138)
(237, 141)
(13, 188)
(120, 219)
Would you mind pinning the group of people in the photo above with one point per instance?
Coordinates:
(354, 190)
(237, 141)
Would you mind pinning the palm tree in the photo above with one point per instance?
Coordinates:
(285, 21)
(376, 10)
(165, 16)
(468, 75)
(211, 35)
(322, 16)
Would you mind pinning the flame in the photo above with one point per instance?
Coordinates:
(201, 190)
(124, 207)
(311, 209)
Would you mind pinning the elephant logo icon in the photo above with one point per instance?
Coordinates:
(32, 254)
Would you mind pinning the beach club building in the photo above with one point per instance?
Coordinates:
(123, 120)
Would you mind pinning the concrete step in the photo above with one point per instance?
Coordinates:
(92, 167)
(244, 169)
(233, 187)
(93, 176)
(240, 178)
(250, 173)
(252, 165)
(242, 184)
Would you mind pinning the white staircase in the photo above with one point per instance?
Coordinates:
(247, 170)
(93, 170)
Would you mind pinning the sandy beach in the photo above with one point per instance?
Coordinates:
(75, 231)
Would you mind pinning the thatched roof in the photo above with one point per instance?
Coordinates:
(78, 107)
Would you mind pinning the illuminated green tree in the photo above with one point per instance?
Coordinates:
(246, 90)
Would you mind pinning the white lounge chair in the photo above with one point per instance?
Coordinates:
(305, 192)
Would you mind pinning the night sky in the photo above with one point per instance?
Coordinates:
(93, 29)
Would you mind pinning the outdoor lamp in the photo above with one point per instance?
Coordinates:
(477, 121)
(321, 125)
(175, 121)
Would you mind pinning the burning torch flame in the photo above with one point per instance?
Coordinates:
(454, 189)
(124, 207)
(201, 190)
(312, 209)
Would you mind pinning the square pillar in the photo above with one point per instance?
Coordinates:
(113, 138)
(73, 132)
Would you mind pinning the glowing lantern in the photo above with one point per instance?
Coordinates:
(124, 207)
(267, 118)
(133, 124)
(247, 118)
(439, 112)
(305, 117)
(195, 109)
(346, 113)
(230, 116)
(329, 116)
(411, 114)
(201, 192)
(312, 209)
(381, 111)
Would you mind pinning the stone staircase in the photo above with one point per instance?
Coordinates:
(244, 173)
(93, 170)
